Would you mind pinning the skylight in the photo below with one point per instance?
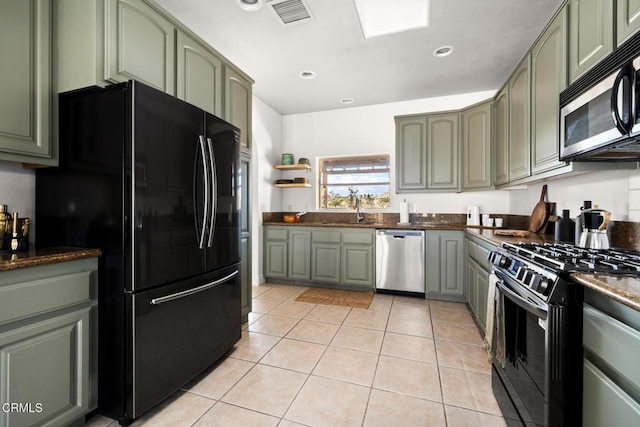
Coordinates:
(381, 17)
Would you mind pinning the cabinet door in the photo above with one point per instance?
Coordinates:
(476, 147)
(357, 265)
(519, 136)
(482, 281)
(411, 154)
(628, 19)
(472, 280)
(245, 230)
(548, 79)
(300, 254)
(53, 353)
(238, 106)
(442, 152)
(140, 45)
(501, 137)
(590, 34)
(198, 75)
(25, 104)
(445, 263)
(325, 263)
(275, 259)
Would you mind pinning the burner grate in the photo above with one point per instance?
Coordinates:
(570, 258)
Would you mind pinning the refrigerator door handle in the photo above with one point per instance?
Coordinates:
(205, 179)
(214, 196)
(177, 295)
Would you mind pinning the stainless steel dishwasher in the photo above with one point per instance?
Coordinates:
(400, 260)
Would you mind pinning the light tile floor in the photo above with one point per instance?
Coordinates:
(402, 362)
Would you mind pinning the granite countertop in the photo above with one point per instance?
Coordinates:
(399, 226)
(44, 255)
(621, 288)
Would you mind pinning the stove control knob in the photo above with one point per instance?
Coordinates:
(504, 262)
(544, 284)
(520, 275)
(535, 281)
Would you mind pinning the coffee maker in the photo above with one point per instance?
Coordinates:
(594, 228)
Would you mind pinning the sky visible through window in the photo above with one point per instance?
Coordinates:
(344, 179)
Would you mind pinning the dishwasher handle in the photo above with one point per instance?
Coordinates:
(400, 234)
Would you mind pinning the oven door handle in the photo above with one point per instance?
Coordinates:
(624, 127)
(167, 298)
(527, 305)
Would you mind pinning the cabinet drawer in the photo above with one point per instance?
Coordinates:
(278, 233)
(481, 257)
(27, 299)
(358, 237)
(471, 249)
(612, 341)
(606, 404)
(328, 236)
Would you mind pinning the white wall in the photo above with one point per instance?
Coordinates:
(266, 151)
(18, 191)
(371, 130)
(610, 190)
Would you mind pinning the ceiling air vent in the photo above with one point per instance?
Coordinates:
(291, 12)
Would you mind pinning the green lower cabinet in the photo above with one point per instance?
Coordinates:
(325, 262)
(300, 254)
(445, 261)
(611, 379)
(46, 366)
(478, 281)
(275, 259)
(357, 265)
(245, 271)
(48, 343)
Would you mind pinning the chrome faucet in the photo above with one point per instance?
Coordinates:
(359, 217)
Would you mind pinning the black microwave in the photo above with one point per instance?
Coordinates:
(601, 120)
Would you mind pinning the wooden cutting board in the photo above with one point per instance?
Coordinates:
(514, 233)
(540, 215)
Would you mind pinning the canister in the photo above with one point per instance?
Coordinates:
(287, 159)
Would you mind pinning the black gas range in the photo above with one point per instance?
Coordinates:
(539, 380)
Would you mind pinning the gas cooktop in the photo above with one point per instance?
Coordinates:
(571, 258)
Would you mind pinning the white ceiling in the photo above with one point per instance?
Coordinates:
(489, 36)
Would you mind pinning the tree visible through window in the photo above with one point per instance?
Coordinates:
(343, 179)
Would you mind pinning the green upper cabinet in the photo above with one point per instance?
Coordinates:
(628, 19)
(25, 104)
(411, 154)
(501, 137)
(476, 147)
(198, 75)
(590, 34)
(519, 121)
(442, 151)
(238, 105)
(140, 44)
(548, 79)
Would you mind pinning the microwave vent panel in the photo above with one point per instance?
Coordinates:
(291, 12)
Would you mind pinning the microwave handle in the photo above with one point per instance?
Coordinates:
(624, 127)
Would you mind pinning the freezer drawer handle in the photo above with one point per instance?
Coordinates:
(167, 298)
(214, 196)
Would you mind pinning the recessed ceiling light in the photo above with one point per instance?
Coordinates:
(307, 75)
(346, 101)
(250, 5)
(443, 51)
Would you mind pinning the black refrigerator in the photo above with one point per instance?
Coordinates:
(153, 182)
